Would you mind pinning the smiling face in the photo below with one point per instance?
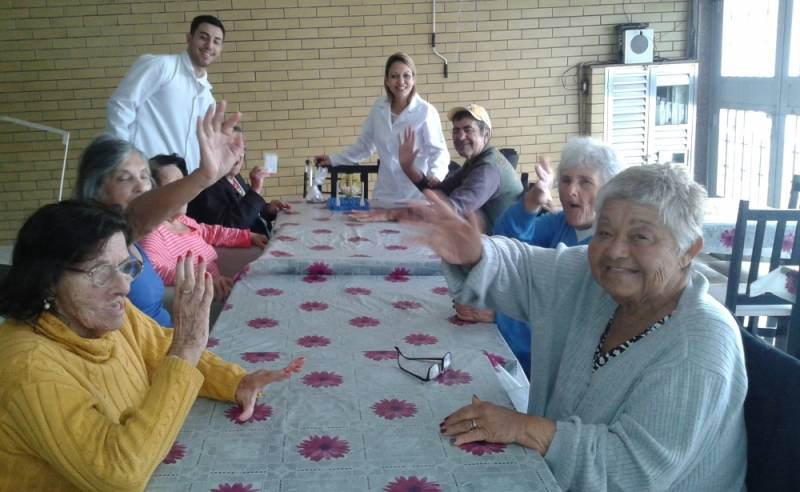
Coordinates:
(577, 190)
(400, 81)
(204, 46)
(88, 310)
(126, 182)
(467, 138)
(634, 257)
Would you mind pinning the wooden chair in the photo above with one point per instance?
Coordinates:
(794, 193)
(766, 315)
(771, 410)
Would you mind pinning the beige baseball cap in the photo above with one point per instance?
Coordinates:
(477, 112)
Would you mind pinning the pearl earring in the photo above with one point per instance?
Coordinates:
(46, 305)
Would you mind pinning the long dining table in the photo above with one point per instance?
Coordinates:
(353, 419)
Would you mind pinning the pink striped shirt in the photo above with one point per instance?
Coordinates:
(164, 246)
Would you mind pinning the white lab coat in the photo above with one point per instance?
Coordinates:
(379, 133)
(157, 104)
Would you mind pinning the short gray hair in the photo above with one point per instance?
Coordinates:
(589, 153)
(100, 159)
(668, 189)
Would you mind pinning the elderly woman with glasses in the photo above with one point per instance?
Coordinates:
(93, 392)
(638, 373)
(586, 165)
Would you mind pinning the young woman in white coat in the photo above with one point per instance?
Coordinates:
(401, 108)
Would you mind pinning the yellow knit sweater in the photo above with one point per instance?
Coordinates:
(95, 414)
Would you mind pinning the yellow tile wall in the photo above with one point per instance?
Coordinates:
(304, 73)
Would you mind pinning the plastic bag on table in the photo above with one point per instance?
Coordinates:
(314, 194)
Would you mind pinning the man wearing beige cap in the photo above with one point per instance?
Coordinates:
(486, 183)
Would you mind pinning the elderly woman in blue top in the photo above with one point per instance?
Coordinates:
(116, 173)
(586, 164)
(639, 373)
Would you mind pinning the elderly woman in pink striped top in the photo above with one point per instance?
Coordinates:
(181, 234)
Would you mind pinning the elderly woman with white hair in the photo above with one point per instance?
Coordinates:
(639, 374)
(586, 165)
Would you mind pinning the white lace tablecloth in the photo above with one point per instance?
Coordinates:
(352, 420)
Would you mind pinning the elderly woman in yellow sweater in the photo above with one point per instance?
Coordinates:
(92, 391)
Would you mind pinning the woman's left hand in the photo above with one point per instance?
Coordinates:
(483, 421)
(253, 384)
(258, 240)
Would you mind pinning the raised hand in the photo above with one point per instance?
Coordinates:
(538, 195)
(455, 239)
(193, 294)
(253, 384)
(220, 150)
(408, 154)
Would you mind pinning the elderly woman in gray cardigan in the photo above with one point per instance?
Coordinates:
(638, 377)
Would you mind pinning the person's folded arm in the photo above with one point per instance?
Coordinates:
(63, 423)
(144, 79)
(668, 424)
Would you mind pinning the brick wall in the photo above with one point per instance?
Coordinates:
(304, 72)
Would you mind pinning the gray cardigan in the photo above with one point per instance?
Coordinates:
(667, 414)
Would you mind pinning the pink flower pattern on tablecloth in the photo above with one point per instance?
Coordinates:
(791, 281)
(394, 409)
(313, 341)
(412, 484)
(260, 323)
(241, 274)
(358, 291)
(380, 354)
(322, 231)
(726, 238)
(261, 413)
(235, 487)
(452, 377)
(313, 306)
(395, 247)
(356, 224)
(212, 342)
(269, 292)
(389, 231)
(399, 274)
(494, 359)
(421, 339)
(290, 212)
(321, 247)
(364, 321)
(405, 305)
(176, 453)
(318, 448)
(319, 268)
(256, 357)
(280, 254)
(442, 291)
(322, 219)
(357, 239)
(315, 279)
(289, 224)
(360, 255)
(480, 448)
(227, 307)
(455, 320)
(788, 243)
(286, 238)
(322, 379)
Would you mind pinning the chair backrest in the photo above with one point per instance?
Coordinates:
(794, 193)
(772, 417)
(784, 250)
(511, 156)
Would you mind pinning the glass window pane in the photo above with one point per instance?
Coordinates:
(749, 31)
(794, 47)
(743, 155)
(791, 155)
